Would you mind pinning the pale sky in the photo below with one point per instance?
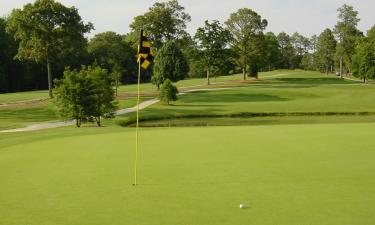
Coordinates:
(307, 17)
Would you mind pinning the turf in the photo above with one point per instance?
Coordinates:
(287, 174)
(299, 92)
(21, 116)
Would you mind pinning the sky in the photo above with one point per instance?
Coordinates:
(308, 17)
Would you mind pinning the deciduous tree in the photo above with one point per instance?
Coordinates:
(163, 22)
(47, 30)
(85, 95)
(212, 40)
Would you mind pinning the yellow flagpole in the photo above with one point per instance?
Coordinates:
(137, 126)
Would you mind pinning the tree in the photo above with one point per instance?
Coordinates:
(273, 54)
(47, 30)
(326, 48)
(287, 51)
(168, 92)
(14, 74)
(347, 33)
(165, 21)
(170, 63)
(301, 45)
(364, 59)
(85, 95)
(212, 40)
(112, 52)
(245, 25)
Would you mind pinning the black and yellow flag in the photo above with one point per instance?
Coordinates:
(145, 52)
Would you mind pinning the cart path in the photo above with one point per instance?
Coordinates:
(143, 105)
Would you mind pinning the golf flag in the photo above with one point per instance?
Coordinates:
(145, 52)
(145, 57)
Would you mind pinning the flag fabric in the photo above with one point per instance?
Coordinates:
(145, 52)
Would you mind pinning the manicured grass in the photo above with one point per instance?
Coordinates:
(23, 96)
(258, 120)
(21, 116)
(25, 115)
(297, 93)
(292, 175)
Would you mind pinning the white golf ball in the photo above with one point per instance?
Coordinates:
(242, 206)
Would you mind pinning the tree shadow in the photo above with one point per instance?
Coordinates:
(313, 80)
(228, 97)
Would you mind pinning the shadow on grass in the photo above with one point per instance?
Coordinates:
(311, 81)
(211, 97)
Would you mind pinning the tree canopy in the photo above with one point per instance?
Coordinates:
(85, 95)
(165, 21)
(170, 63)
(46, 31)
(326, 48)
(245, 25)
(347, 34)
(212, 40)
(364, 59)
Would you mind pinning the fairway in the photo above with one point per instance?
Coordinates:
(287, 174)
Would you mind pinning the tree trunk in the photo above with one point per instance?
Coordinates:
(49, 71)
(364, 80)
(341, 71)
(244, 72)
(208, 77)
(327, 69)
(98, 121)
(78, 122)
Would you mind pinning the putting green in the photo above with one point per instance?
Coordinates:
(287, 174)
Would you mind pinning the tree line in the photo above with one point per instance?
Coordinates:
(39, 41)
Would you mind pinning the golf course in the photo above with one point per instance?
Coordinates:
(294, 148)
(181, 112)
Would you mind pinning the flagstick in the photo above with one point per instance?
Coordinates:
(137, 126)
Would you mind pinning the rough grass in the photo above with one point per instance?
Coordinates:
(295, 174)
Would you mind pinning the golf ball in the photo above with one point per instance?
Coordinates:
(242, 206)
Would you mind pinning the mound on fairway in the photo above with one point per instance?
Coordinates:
(287, 174)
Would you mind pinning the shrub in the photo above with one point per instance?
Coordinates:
(168, 92)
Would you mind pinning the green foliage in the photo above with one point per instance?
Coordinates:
(246, 26)
(287, 51)
(212, 40)
(110, 51)
(347, 33)
(272, 53)
(326, 49)
(46, 31)
(301, 46)
(364, 59)
(165, 21)
(168, 92)
(85, 95)
(170, 63)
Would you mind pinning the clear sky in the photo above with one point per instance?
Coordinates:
(307, 17)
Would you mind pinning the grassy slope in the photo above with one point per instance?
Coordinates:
(20, 116)
(293, 174)
(300, 92)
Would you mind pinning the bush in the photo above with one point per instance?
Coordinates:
(86, 95)
(168, 92)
